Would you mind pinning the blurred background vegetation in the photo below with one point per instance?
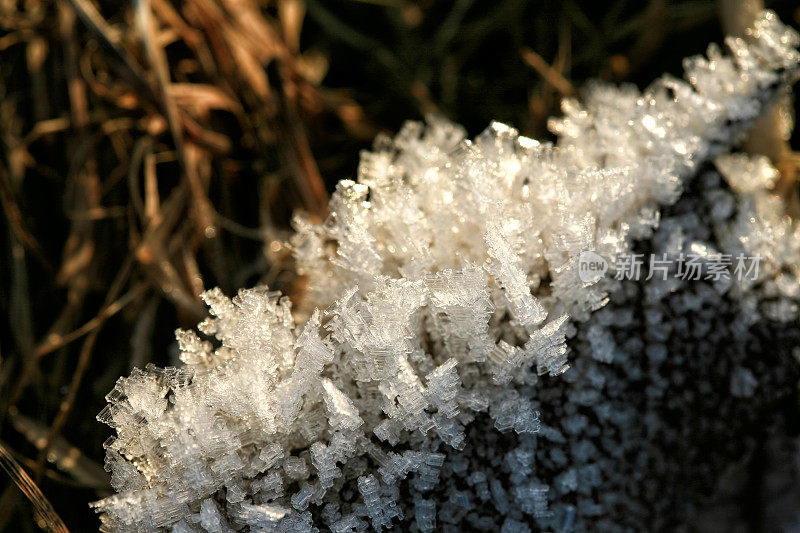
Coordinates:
(154, 148)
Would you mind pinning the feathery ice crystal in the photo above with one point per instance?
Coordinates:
(430, 385)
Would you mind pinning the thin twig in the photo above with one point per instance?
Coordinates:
(84, 359)
(56, 342)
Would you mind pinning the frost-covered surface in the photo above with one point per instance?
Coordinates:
(430, 385)
(698, 371)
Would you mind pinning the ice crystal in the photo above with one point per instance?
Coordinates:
(444, 289)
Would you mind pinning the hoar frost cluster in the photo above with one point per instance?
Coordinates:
(430, 386)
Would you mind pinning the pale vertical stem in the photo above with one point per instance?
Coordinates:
(768, 136)
(738, 15)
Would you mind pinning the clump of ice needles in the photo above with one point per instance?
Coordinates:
(444, 287)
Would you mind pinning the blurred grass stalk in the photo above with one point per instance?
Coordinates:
(770, 134)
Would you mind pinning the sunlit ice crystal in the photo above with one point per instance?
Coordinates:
(443, 289)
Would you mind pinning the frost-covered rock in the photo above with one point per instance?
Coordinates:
(430, 383)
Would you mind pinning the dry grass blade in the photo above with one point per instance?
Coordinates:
(67, 457)
(84, 359)
(54, 342)
(93, 20)
(202, 98)
(158, 61)
(193, 38)
(16, 220)
(45, 514)
(551, 75)
(291, 13)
